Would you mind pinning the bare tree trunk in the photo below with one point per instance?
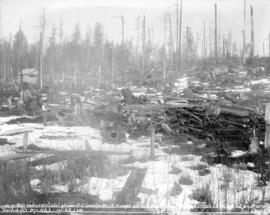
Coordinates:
(177, 37)
(210, 41)
(20, 56)
(75, 75)
(143, 44)
(171, 43)
(123, 49)
(164, 50)
(269, 44)
(138, 39)
(204, 41)
(180, 37)
(216, 57)
(244, 34)
(263, 49)
(223, 49)
(42, 31)
(112, 69)
(252, 32)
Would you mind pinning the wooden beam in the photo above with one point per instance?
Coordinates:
(132, 187)
(25, 141)
(152, 152)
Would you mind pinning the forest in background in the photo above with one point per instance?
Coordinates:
(78, 60)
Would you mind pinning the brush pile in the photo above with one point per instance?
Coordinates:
(215, 124)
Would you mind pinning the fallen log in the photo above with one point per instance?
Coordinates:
(234, 110)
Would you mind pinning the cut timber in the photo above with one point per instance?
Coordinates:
(129, 98)
(152, 154)
(234, 110)
(132, 187)
(16, 131)
(24, 131)
(267, 121)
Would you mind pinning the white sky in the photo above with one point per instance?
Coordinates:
(88, 12)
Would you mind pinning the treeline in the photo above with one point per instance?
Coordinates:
(92, 59)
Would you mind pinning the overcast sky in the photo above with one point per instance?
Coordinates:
(88, 12)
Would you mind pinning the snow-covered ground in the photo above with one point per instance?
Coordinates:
(229, 187)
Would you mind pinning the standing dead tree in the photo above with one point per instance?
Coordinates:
(42, 33)
(164, 47)
(269, 44)
(204, 42)
(143, 46)
(216, 57)
(180, 36)
(171, 42)
(252, 32)
(123, 48)
(177, 36)
(244, 34)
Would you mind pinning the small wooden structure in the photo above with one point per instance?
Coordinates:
(18, 131)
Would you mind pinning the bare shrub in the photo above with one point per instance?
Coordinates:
(78, 166)
(204, 172)
(176, 189)
(203, 194)
(185, 180)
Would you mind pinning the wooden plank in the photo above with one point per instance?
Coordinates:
(132, 187)
(16, 131)
(242, 112)
(15, 156)
(152, 107)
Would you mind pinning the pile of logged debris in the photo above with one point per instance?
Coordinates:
(217, 114)
(215, 107)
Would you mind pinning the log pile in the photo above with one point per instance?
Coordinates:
(219, 124)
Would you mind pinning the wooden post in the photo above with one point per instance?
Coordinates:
(267, 121)
(25, 141)
(152, 152)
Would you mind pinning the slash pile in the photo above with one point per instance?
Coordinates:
(231, 124)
